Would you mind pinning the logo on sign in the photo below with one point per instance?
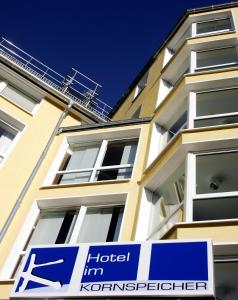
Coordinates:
(48, 269)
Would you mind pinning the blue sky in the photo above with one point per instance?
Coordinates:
(109, 41)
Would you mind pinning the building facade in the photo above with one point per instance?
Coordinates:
(160, 166)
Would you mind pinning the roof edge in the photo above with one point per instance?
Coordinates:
(127, 122)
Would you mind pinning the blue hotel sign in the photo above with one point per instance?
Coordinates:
(164, 268)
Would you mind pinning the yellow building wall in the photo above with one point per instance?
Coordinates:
(37, 191)
(147, 98)
(218, 234)
(5, 289)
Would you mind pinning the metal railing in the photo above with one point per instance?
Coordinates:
(78, 87)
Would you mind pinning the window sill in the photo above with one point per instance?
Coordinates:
(55, 186)
(214, 33)
(200, 224)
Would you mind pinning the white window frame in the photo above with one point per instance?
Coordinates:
(193, 111)
(139, 90)
(194, 27)
(98, 163)
(144, 230)
(17, 126)
(193, 60)
(191, 194)
(43, 205)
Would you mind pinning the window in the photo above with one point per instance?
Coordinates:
(179, 124)
(216, 58)
(141, 84)
(216, 192)
(19, 98)
(9, 129)
(89, 224)
(136, 114)
(83, 225)
(213, 26)
(108, 160)
(217, 107)
(7, 135)
(167, 131)
(167, 204)
(226, 274)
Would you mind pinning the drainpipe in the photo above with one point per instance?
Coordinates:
(34, 172)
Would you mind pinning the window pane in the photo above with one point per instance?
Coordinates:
(81, 158)
(226, 274)
(179, 124)
(7, 135)
(118, 154)
(53, 228)
(216, 57)
(181, 40)
(74, 177)
(216, 173)
(19, 98)
(216, 121)
(97, 223)
(213, 26)
(215, 209)
(167, 198)
(217, 102)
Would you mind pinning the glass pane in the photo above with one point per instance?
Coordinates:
(118, 221)
(179, 124)
(217, 102)
(216, 121)
(167, 198)
(7, 135)
(74, 177)
(213, 26)
(226, 274)
(216, 57)
(215, 173)
(53, 227)
(101, 224)
(47, 228)
(81, 158)
(95, 225)
(215, 209)
(19, 98)
(181, 40)
(113, 174)
(118, 153)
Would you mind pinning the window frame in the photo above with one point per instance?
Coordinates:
(192, 108)
(193, 60)
(191, 182)
(39, 206)
(143, 81)
(103, 143)
(194, 26)
(15, 125)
